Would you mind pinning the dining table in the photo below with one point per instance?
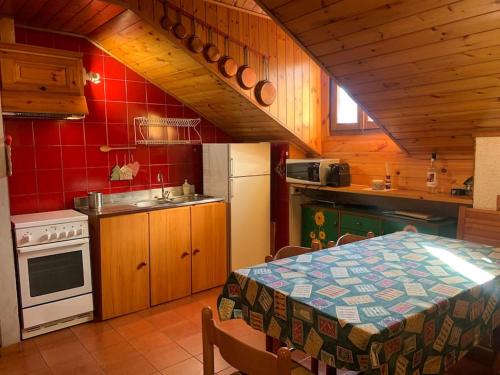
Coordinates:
(401, 303)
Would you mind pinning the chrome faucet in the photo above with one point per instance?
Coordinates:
(159, 178)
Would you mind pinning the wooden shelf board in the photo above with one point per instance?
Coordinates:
(393, 193)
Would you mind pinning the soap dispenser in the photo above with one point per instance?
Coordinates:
(186, 188)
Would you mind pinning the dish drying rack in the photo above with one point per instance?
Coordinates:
(166, 131)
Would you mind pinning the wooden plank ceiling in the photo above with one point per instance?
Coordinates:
(428, 71)
(130, 31)
(75, 16)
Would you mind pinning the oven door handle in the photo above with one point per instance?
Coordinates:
(52, 245)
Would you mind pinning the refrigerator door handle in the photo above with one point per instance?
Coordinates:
(231, 188)
(231, 163)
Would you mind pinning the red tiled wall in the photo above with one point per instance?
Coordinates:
(54, 161)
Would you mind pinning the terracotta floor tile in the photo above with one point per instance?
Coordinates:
(125, 319)
(227, 371)
(134, 364)
(91, 328)
(181, 329)
(114, 354)
(164, 319)
(26, 346)
(57, 337)
(189, 311)
(83, 366)
(150, 341)
(219, 362)
(137, 328)
(63, 352)
(22, 363)
(192, 344)
(166, 356)
(190, 366)
(97, 341)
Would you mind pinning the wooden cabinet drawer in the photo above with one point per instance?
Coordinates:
(350, 222)
(395, 225)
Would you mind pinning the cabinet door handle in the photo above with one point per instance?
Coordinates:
(142, 264)
(184, 254)
(196, 251)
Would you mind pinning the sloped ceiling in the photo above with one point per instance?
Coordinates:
(130, 31)
(428, 71)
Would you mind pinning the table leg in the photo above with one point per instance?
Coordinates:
(314, 366)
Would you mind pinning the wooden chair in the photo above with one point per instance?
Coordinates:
(291, 251)
(349, 238)
(247, 359)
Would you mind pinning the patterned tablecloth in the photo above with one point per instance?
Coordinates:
(403, 303)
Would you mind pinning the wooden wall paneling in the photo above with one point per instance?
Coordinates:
(290, 84)
(281, 97)
(255, 59)
(306, 97)
(299, 92)
(272, 35)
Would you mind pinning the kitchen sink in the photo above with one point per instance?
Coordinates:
(152, 203)
(189, 198)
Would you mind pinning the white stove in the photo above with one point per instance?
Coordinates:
(54, 275)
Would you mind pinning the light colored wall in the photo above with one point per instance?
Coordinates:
(9, 318)
(486, 173)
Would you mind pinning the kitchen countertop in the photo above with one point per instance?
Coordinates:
(124, 203)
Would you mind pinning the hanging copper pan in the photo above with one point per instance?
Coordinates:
(246, 75)
(195, 44)
(227, 65)
(165, 22)
(211, 52)
(179, 29)
(265, 92)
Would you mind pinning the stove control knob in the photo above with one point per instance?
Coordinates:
(71, 233)
(44, 237)
(79, 232)
(62, 235)
(53, 236)
(26, 238)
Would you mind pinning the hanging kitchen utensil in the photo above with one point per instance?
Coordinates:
(115, 171)
(133, 165)
(211, 52)
(195, 44)
(179, 29)
(246, 75)
(125, 171)
(227, 65)
(106, 148)
(265, 92)
(165, 20)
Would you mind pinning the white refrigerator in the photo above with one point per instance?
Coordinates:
(240, 172)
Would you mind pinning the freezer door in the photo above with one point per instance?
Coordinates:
(216, 170)
(250, 220)
(249, 159)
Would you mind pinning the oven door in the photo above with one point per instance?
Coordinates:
(55, 271)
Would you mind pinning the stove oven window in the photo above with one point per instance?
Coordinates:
(55, 273)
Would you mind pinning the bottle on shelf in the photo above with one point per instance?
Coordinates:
(388, 183)
(432, 176)
(186, 188)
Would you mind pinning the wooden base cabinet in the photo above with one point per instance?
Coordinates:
(124, 264)
(170, 254)
(209, 244)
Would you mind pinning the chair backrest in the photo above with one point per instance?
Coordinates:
(348, 238)
(238, 354)
(291, 251)
(481, 226)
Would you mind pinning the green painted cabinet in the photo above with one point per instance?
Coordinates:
(358, 223)
(447, 228)
(319, 222)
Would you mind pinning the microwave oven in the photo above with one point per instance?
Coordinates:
(308, 171)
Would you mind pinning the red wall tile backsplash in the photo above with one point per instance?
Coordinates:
(55, 161)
